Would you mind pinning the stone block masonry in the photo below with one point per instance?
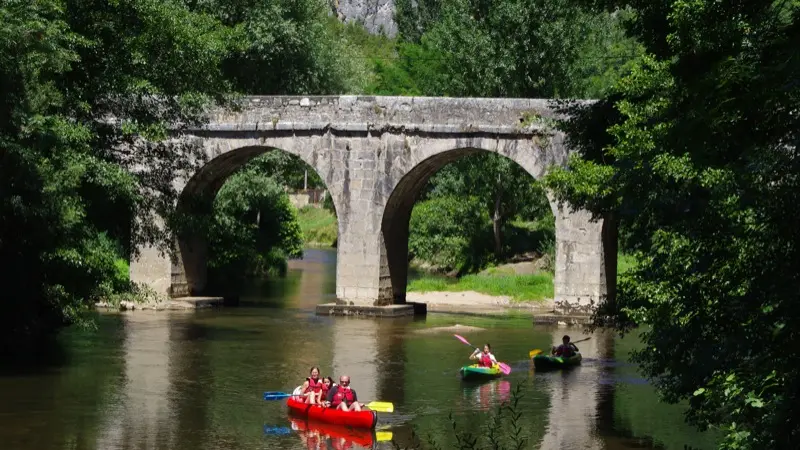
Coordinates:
(375, 155)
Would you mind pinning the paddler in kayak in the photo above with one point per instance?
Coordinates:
(485, 358)
(327, 384)
(343, 397)
(567, 349)
(312, 388)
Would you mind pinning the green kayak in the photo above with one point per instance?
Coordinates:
(475, 372)
(548, 362)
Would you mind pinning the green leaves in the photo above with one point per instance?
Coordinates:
(450, 232)
(254, 227)
(688, 167)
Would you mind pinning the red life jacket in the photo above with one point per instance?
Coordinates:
(486, 360)
(314, 386)
(343, 394)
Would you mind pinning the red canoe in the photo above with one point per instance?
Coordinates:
(355, 419)
(362, 437)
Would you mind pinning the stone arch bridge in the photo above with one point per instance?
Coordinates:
(375, 154)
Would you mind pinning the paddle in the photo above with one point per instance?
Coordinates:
(503, 366)
(382, 436)
(386, 407)
(536, 351)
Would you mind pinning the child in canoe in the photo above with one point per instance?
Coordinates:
(485, 358)
(567, 349)
(311, 390)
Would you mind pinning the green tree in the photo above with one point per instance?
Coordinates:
(700, 164)
(413, 18)
(254, 229)
(286, 47)
(510, 48)
(505, 190)
(450, 233)
(67, 67)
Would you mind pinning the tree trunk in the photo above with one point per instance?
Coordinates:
(497, 223)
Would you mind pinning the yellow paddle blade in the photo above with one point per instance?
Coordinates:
(534, 352)
(381, 406)
(382, 436)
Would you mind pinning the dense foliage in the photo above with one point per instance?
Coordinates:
(286, 47)
(505, 191)
(253, 230)
(495, 49)
(450, 232)
(696, 154)
(71, 179)
(65, 66)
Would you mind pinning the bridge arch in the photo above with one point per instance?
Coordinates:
(426, 158)
(189, 269)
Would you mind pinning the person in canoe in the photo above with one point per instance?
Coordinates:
(327, 384)
(312, 388)
(485, 358)
(567, 349)
(343, 397)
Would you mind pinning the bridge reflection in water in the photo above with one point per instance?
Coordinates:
(145, 414)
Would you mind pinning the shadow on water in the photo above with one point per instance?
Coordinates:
(61, 349)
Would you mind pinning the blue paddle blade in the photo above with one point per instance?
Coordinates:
(275, 395)
(276, 430)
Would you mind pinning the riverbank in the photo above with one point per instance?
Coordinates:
(472, 302)
(514, 288)
(318, 225)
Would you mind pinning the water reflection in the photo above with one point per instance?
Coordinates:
(573, 400)
(355, 353)
(487, 395)
(318, 436)
(144, 415)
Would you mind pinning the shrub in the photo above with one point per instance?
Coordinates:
(451, 233)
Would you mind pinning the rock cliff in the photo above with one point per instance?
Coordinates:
(376, 15)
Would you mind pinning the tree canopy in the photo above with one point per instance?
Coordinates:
(695, 153)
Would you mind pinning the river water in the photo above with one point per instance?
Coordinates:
(177, 380)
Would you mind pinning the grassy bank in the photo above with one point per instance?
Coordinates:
(520, 287)
(318, 225)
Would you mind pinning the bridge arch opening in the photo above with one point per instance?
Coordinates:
(415, 185)
(190, 272)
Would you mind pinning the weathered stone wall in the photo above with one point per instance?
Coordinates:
(375, 154)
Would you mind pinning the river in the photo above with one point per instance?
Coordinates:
(178, 380)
